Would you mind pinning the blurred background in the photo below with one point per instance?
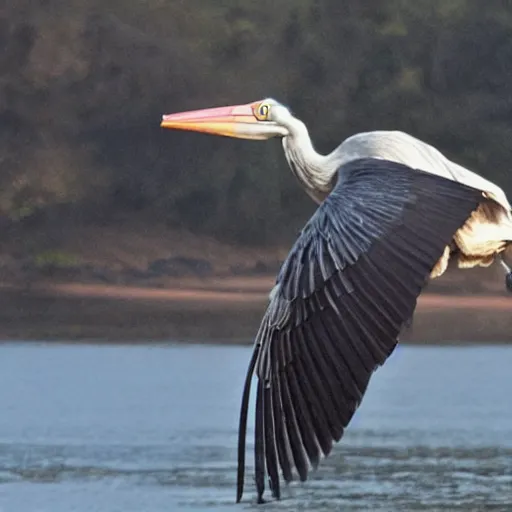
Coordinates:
(113, 228)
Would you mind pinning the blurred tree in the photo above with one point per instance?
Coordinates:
(83, 86)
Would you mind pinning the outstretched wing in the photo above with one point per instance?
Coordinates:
(342, 296)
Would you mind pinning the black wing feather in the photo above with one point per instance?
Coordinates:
(346, 290)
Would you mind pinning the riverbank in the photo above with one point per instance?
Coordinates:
(226, 310)
(135, 281)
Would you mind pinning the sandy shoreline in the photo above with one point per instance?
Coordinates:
(215, 310)
(234, 292)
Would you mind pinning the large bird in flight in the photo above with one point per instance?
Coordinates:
(393, 211)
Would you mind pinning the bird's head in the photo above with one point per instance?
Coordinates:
(260, 120)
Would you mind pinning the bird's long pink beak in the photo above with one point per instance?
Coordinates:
(234, 121)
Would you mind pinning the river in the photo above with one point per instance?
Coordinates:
(98, 428)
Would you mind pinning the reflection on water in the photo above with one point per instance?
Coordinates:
(154, 428)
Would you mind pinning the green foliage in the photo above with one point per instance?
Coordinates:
(84, 85)
(55, 259)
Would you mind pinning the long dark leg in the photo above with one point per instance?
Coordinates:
(506, 261)
(508, 278)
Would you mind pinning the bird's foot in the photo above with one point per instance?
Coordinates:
(508, 281)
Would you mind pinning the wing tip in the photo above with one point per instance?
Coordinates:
(242, 429)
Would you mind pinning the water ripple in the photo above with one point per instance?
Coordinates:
(413, 478)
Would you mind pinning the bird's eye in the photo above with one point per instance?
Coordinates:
(262, 112)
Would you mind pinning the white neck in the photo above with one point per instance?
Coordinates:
(314, 171)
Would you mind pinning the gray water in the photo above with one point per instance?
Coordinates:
(146, 429)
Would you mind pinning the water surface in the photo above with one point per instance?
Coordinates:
(153, 428)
